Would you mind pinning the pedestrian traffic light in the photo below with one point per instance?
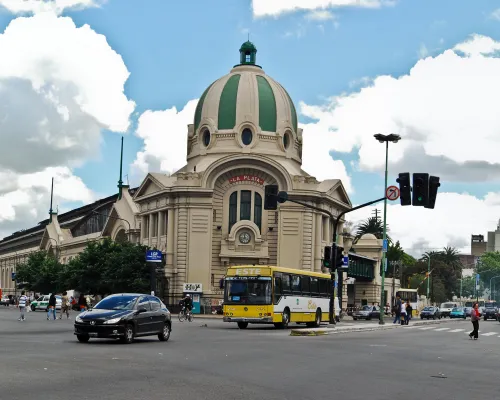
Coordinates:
(420, 189)
(433, 191)
(327, 257)
(271, 197)
(404, 188)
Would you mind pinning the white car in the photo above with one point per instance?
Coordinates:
(446, 308)
(42, 303)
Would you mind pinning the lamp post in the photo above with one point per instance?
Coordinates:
(497, 276)
(385, 139)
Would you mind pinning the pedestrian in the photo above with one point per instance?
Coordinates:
(397, 310)
(409, 312)
(65, 305)
(475, 315)
(52, 307)
(82, 303)
(22, 305)
(403, 313)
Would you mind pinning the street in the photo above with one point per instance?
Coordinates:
(209, 359)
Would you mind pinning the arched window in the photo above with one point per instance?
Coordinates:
(246, 203)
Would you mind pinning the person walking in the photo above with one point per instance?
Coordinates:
(397, 310)
(52, 307)
(403, 313)
(409, 312)
(82, 303)
(65, 305)
(475, 315)
(22, 305)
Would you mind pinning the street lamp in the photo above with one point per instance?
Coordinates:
(118, 218)
(385, 139)
(497, 276)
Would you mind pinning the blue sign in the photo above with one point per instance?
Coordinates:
(384, 246)
(345, 261)
(477, 278)
(154, 256)
(13, 276)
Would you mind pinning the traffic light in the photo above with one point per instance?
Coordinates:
(420, 189)
(433, 191)
(404, 188)
(327, 257)
(339, 258)
(271, 197)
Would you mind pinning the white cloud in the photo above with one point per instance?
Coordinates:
(445, 109)
(165, 139)
(60, 86)
(320, 15)
(38, 6)
(496, 14)
(453, 221)
(423, 51)
(262, 8)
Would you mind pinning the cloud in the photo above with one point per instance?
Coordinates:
(496, 14)
(263, 8)
(165, 139)
(319, 15)
(445, 109)
(423, 51)
(456, 217)
(54, 6)
(60, 86)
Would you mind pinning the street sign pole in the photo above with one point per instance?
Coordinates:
(153, 257)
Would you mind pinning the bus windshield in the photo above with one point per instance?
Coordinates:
(248, 291)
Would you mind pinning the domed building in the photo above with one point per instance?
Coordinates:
(210, 214)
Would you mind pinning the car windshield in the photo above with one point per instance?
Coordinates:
(490, 305)
(117, 303)
(366, 308)
(457, 309)
(429, 309)
(248, 291)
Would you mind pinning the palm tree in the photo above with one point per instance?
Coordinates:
(372, 225)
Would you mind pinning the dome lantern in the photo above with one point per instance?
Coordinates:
(248, 53)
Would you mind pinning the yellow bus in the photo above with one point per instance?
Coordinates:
(275, 295)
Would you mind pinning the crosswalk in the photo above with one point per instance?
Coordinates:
(450, 330)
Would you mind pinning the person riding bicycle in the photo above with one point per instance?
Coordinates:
(187, 303)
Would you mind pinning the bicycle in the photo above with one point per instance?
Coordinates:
(185, 315)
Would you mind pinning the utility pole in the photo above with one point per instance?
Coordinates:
(376, 213)
(428, 273)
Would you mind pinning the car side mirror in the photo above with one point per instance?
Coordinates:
(142, 310)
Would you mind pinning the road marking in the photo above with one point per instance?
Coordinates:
(489, 334)
(442, 329)
(458, 330)
(426, 328)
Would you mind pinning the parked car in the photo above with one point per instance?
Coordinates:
(446, 308)
(125, 316)
(5, 301)
(430, 312)
(366, 312)
(42, 303)
(490, 312)
(467, 311)
(458, 312)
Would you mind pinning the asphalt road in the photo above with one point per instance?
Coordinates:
(207, 359)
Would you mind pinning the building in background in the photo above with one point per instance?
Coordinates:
(477, 245)
(493, 243)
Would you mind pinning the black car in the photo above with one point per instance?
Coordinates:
(366, 312)
(125, 316)
(430, 312)
(489, 312)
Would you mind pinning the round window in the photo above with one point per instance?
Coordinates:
(206, 137)
(246, 136)
(286, 140)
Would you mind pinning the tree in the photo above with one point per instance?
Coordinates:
(371, 225)
(109, 267)
(490, 262)
(40, 273)
(396, 254)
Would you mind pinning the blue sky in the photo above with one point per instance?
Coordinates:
(175, 49)
(173, 53)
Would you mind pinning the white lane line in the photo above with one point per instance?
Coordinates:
(442, 329)
(426, 328)
(489, 334)
(457, 330)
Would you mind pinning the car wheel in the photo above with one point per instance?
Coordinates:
(164, 335)
(485, 318)
(421, 317)
(33, 308)
(129, 334)
(83, 338)
(433, 317)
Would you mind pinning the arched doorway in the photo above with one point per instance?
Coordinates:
(121, 236)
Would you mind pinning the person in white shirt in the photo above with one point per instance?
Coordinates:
(21, 303)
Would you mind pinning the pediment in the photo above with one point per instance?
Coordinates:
(148, 186)
(339, 193)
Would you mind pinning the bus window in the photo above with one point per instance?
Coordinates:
(296, 284)
(314, 287)
(305, 286)
(285, 284)
(323, 287)
(277, 284)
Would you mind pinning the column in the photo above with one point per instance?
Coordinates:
(161, 222)
(170, 237)
(143, 228)
(318, 236)
(151, 228)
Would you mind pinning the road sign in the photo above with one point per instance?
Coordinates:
(154, 256)
(384, 246)
(345, 261)
(392, 193)
(477, 287)
(477, 279)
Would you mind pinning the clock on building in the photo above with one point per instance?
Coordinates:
(245, 237)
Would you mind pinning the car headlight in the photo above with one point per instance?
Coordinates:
(78, 319)
(113, 321)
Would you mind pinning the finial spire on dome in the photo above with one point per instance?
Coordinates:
(248, 53)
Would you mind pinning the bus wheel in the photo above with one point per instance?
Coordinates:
(242, 325)
(285, 318)
(317, 322)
